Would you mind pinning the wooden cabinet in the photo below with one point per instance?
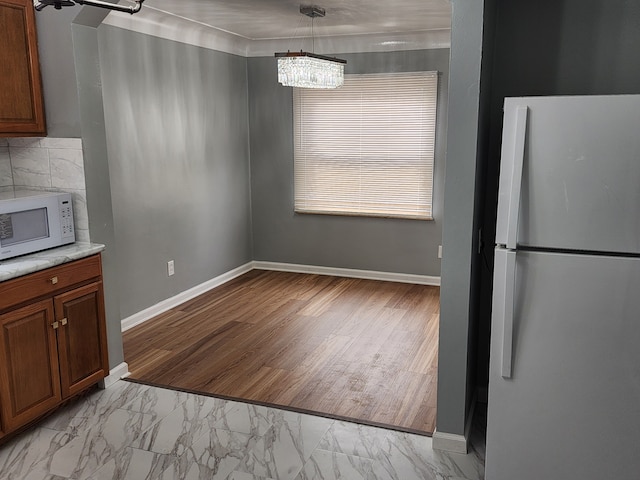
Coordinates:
(80, 314)
(21, 100)
(52, 339)
(29, 375)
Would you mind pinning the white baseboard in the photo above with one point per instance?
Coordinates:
(115, 374)
(348, 272)
(169, 303)
(451, 442)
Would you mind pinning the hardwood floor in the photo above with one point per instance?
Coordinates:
(362, 350)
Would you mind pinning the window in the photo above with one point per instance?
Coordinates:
(366, 148)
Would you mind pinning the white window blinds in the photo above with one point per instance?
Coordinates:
(366, 148)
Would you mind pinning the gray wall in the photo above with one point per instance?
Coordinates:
(280, 235)
(96, 167)
(560, 47)
(396, 236)
(457, 317)
(162, 98)
(178, 147)
(58, 71)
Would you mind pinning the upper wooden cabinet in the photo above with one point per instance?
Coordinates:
(21, 101)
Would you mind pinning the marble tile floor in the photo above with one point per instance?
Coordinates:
(134, 431)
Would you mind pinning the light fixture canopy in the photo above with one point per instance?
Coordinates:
(310, 70)
(58, 4)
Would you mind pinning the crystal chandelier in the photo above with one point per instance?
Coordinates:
(308, 70)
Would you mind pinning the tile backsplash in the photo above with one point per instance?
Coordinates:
(52, 164)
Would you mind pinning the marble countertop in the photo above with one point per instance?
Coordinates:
(16, 267)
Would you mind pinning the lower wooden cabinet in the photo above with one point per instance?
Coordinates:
(53, 346)
(80, 315)
(29, 370)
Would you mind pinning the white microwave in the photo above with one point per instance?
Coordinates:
(31, 221)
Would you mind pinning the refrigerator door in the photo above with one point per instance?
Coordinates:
(579, 183)
(571, 409)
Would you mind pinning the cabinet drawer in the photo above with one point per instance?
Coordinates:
(49, 281)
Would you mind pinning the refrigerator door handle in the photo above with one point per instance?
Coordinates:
(520, 134)
(507, 313)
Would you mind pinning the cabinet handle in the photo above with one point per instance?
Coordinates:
(53, 280)
(55, 325)
(63, 321)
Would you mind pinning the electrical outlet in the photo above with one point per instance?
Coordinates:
(439, 251)
(170, 268)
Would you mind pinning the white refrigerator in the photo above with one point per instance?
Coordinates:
(564, 384)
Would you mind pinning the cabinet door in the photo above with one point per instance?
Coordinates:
(1, 424)
(29, 374)
(82, 337)
(21, 103)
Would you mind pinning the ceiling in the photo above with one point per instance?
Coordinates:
(274, 19)
(256, 28)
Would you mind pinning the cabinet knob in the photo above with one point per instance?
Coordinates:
(55, 325)
(63, 321)
(53, 280)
